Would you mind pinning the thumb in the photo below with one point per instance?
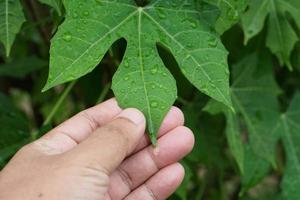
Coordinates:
(108, 146)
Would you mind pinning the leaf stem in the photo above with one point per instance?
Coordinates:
(59, 103)
(182, 101)
(104, 93)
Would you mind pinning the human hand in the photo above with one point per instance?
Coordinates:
(101, 153)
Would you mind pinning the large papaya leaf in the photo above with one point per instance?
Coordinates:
(11, 20)
(289, 128)
(282, 35)
(141, 81)
(252, 77)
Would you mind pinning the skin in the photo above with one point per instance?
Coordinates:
(101, 153)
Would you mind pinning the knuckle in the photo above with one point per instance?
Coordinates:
(93, 124)
(125, 177)
(150, 192)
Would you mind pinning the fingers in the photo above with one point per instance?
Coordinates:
(161, 185)
(136, 169)
(81, 125)
(173, 119)
(73, 131)
(107, 147)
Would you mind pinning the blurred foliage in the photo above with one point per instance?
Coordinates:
(249, 154)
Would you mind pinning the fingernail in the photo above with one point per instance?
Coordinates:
(133, 115)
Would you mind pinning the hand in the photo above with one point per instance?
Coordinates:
(100, 154)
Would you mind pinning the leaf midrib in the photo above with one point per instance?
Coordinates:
(150, 124)
(258, 11)
(277, 26)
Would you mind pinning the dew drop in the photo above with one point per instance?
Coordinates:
(126, 78)
(161, 14)
(74, 15)
(86, 13)
(193, 25)
(212, 41)
(153, 86)
(126, 64)
(154, 104)
(154, 70)
(67, 37)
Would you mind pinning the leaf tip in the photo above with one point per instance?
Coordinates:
(7, 51)
(289, 65)
(47, 87)
(153, 140)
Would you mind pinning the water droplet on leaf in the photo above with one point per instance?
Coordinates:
(86, 13)
(161, 14)
(154, 104)
(212, 41)
(67, 37)
(154, 70)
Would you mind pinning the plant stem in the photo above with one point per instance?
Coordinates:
(104, 93)
(182, 101)
(59, 103)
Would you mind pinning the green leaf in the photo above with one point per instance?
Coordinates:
(231, 11)
(281, 36)
(255, 170)
(233, 134)
(14, 130)
(254, 95)
(141, 81)
(11, 20)
(22, 67)
(56, 4)
(289, 128)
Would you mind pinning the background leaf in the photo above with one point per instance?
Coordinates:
(11, 20)
(231, 11)
(282, 35)
(21, 68)
(12, 134)
(289, 128)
